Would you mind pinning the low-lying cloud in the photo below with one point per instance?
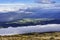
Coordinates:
(29, 29)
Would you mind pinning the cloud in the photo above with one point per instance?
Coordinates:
(4, 8)
(29, 29)
(17, 11)
(45, 1)
(11, 7)
(22, 7)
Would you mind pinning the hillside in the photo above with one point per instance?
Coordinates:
(33, 36)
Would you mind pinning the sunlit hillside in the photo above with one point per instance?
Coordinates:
(33, 36)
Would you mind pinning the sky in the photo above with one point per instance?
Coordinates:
(16, 1)
(20, 1)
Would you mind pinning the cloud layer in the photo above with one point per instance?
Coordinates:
(16, 7)
(10, 12)
(29, 29)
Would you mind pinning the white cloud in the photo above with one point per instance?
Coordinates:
(15, 7)
(11, 7)
(45, 1)
(29, 29)
(21, 7)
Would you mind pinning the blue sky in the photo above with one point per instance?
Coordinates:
(21, 1)
(16, 1)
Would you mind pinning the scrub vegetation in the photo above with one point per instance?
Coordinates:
(33, 36)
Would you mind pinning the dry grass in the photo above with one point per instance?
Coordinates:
(33, 36)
